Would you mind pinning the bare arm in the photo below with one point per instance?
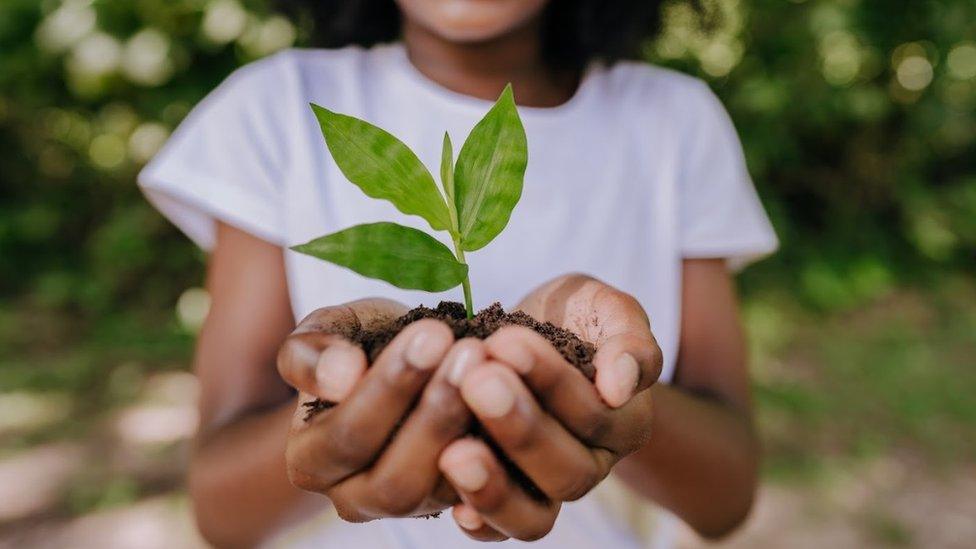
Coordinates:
(690, 446)
(702, 458)
(238, 480)
(373, 454)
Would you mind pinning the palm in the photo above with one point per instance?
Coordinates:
(589, 308)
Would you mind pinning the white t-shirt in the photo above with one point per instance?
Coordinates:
(638, 170)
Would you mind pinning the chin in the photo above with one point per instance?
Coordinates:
(471, 21)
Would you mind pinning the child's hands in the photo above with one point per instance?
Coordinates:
(346, 452)
(561, 430)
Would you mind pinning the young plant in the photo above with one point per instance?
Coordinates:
(480, 191)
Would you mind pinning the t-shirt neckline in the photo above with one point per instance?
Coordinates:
(396, 52)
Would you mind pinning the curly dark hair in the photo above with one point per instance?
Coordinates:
(574, 31)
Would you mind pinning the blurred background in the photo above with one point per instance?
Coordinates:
(859, 123)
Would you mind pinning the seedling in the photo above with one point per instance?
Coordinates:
(480, 192)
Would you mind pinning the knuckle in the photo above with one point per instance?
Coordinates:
(535, 532)
(396, 496)
(300, 475)
(577, 485)
(447, 415)
(347, 447)
(594, 424)
(347, 512)
(303, 480)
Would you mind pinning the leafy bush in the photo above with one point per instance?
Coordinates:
(857, 118)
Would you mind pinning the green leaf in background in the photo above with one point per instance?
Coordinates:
(489, 171)
(447, 177)
(402, 256)
(382, 166)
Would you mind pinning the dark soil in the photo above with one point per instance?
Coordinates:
(576, 351)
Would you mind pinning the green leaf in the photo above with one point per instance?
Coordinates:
(447, 167)
(489, 172)
(382, 166)
(402, 256)
(447, 178)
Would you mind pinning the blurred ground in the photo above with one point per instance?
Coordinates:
(858, 119)
(865, 418)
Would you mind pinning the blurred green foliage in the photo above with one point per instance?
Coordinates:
(857, 117)
(859, 123)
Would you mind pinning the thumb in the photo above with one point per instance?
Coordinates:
(626, 364)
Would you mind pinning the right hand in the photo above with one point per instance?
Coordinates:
(375, 453)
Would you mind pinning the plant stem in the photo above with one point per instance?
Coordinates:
(466, 283)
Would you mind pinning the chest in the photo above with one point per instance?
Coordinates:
(592, 202)
(599, 202)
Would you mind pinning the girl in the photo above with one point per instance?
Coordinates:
(636, 177)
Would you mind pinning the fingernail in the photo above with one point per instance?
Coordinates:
(306, 353)
(468, 518)
(337, 371)
(490, 398)
(469, 475)
(423, 352)
(626, 370)
(459, 362)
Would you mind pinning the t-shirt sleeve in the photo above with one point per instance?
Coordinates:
(226, 161)
(720, 215)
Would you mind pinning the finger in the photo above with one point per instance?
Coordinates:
(628, 359)
(614, 321)
(319, 359)
(555, 460)
(350, 318)
(471, 523)
(406, 473)
(484, 485)
(324, 365)
(443, 494)
(566, 394)
(626, 363)
(349, 436)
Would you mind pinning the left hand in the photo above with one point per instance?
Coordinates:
(564, 432)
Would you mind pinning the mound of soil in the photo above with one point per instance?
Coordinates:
(577, 352)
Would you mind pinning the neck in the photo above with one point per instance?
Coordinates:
(483, 69)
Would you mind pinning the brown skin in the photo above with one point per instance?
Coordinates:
(496, 49)
(700, 462)
(253, 448)
(563, 431)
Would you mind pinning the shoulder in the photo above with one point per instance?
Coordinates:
(647, 78)
(277, 89)
(658, 91)
(304, 60)
(649, 96)
(302, 66)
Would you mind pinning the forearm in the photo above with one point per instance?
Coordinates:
(238, 480)
(701, 462)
